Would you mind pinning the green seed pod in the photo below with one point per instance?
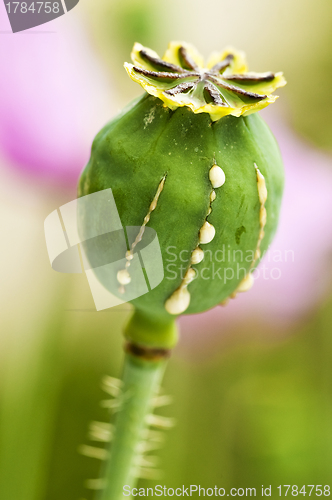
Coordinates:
(192, 160)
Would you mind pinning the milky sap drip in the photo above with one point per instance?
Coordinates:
(179, 301)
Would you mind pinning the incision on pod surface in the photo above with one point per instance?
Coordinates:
(180, 299)
(123, 275)
(248, 282)
(216, 212)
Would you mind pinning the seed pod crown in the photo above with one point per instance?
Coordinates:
(223, 87)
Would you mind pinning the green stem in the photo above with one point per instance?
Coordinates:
(141, 382)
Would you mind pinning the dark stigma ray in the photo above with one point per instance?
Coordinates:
(236, 90)
(247, 78)
(159, 63)
(180, 88)
(214, 94)
(156, 74)
(217, 68)
(187, 60)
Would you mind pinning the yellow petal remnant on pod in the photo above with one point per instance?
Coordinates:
(223, 87)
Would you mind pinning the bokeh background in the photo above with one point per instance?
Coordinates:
(252, 382)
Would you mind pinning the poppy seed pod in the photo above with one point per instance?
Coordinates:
(194, 161)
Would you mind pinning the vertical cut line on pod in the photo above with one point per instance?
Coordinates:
(247, 283)
(123, 275)
(179, 301)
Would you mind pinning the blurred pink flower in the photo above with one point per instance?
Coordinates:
(53, 98)
(284, 290)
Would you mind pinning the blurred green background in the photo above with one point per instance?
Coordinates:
(253, 403)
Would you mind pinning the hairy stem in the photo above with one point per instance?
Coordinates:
(141, 382)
